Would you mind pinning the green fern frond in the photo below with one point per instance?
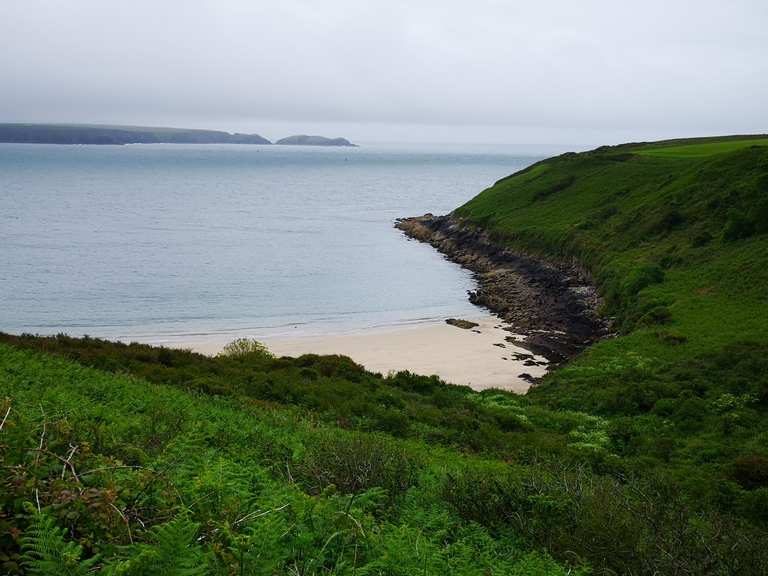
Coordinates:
(180, 554)
(174, 552)
(45, 552)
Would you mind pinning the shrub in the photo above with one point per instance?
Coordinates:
(641, 278)
(671, 338)
(665, 222)
(355, 462)
(243, 347)
(759, 213)
(554, 187)
(701, 239)
(751, 471)
(656, 315)
(652, 528)
(737, 227)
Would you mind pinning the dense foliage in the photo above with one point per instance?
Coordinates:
(646, 455)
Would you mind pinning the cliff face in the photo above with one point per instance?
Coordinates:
(553, 304)
(304, 140)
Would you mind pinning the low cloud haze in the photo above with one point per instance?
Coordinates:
(484, 71)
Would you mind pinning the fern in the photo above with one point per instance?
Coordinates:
(47, 553)
(174, 552)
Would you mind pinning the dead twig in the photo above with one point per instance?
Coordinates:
(5, 417)
(359, 526)
(68, 462)
(259, 514)
(127, 524)
(120, 467)
(42, 438)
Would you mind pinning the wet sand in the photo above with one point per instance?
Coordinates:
(480, 357)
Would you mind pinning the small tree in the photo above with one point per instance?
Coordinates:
(243, 347)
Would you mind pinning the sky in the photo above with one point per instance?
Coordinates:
(578, 72)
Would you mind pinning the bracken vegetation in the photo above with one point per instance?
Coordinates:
(648, 454)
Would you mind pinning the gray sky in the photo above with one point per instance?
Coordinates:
(540, 71)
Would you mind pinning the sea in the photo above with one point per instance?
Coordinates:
(159, 243)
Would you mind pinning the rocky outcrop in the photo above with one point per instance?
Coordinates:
(553, 304)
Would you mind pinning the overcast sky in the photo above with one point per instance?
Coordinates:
(539, 71)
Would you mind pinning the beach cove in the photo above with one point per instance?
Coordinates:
(480, 357)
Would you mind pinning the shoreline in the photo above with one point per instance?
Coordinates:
(484, 356)
(553, 305)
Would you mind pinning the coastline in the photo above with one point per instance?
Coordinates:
(484, 356)
(554, 305)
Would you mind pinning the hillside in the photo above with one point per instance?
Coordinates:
(97, 134)
(646, 453)
(675, 235)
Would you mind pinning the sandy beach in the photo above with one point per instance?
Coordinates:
(480, 357)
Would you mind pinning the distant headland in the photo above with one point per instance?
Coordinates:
(116, 135)
(304, 140)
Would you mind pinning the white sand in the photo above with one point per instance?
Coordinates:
(457, 355)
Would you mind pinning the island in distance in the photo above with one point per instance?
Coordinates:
(304, 140)
(108, 134)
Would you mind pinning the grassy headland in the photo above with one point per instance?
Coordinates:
(646, 454)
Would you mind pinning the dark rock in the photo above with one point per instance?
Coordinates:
(552, 303)
(465, 324)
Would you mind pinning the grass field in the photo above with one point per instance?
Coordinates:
(701, 149)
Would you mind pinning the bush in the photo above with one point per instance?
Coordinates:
(759, 214)
(701, 239)
(554, 187)
(751, 471)
(665, 222)
(243, 347)
(671, 338)
(656, 315)
(737, 227)
(641, 278)
(652, 530)
(355, 462)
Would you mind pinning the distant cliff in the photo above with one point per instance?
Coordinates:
(102, 134)
(304, 140)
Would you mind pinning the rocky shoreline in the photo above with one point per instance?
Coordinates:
(554, 305)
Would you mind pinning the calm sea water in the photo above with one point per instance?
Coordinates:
(159, 242)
